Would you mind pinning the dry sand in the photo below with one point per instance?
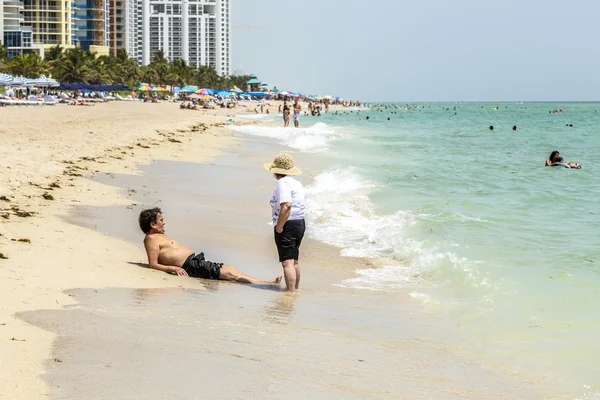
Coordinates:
(46, 151)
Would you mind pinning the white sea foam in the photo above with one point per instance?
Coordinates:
(589, 394)
(310, 139)
(341, 214)
(257, 117)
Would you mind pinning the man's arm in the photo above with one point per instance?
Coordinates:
(152, 251)
(284, 214)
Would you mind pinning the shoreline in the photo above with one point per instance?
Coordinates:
(112, 257)
(51, 154)
(55, 159)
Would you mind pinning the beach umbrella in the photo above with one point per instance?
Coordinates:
(206, 97)
(189, 89)
(20, 81)
(6, 79)
(144, 88)
(194, 96)
(205, 91)
(328, 97)
(44, 82)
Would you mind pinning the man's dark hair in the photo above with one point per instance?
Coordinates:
(147, 218)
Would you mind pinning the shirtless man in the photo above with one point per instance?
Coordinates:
(165, 254)
(297, 110)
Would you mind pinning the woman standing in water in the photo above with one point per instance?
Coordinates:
(287, 205)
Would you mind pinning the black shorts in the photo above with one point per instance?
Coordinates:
(288, 241)
(197, 267)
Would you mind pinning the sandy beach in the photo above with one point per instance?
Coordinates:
(46, 152)
(79, 318)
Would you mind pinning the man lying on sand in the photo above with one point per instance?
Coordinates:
(165, 254)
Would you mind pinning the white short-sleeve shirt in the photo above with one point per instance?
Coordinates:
(289, 190)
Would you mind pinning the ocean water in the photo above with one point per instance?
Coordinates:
(469, 222)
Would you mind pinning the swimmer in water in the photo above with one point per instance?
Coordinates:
(556, 160)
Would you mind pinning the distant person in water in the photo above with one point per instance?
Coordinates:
(556, 160)
(491, 127)
(297, 110)
(286, 114)
(165, 254)
(514, 128)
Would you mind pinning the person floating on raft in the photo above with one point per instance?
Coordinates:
(555, 160)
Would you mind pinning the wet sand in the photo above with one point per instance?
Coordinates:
(230, 341)
(48, 154)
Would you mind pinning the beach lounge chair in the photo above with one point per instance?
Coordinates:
(50, 100)
(119, 97)
(33, 100)
(106, 97)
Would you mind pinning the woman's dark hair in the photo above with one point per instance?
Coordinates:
(553, 156)
(147, 218)
(279, 176)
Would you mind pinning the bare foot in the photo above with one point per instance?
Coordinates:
(276, 281)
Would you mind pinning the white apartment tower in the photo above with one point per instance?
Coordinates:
(223, 66)
(197, 31)
(1, 23)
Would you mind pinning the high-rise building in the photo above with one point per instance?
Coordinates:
(13, 34)
(122, 20)
(50, 21)
(197, 31)
(89, 25)
(1, 23)
(223, 66)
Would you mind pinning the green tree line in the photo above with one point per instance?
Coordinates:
(75, 65)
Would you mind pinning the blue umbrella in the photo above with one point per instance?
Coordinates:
(189, 89)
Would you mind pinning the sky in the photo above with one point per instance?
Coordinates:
(422, 50)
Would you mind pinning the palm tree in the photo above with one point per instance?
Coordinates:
(76, 65)
(182, 72)
(3, 56)
(73, 66)
(27, 65)
(160, 64)
(148, 74)
(159, 58)
(122, 55)
(101, 70)
(54, 53)
(207, 77)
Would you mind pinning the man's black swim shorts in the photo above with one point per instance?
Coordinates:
(196, 266)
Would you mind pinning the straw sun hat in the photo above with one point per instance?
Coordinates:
(283, 164)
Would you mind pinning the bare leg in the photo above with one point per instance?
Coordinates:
(229, 273)
(289, 273)
(297, 267)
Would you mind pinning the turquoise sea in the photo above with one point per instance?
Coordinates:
(468, 221)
